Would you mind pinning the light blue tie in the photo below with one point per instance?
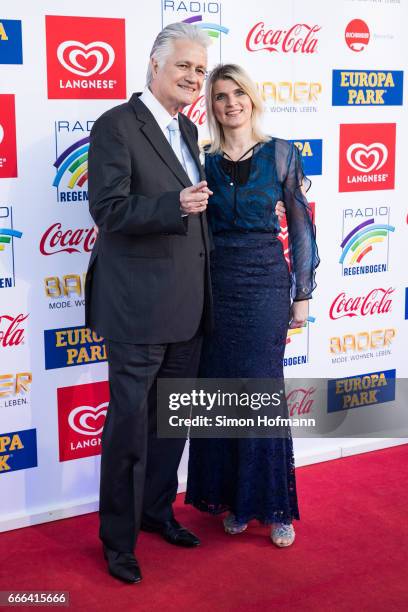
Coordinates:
(175, 141)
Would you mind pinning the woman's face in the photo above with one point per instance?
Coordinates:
(232, 107)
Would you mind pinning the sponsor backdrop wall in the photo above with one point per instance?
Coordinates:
(331, 76)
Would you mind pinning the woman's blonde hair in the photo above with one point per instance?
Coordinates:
(237, 74)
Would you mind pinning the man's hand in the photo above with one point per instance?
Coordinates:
(194, 199)
(280, 210)
(299, 312)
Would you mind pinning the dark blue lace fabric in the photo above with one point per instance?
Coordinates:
(253, 478)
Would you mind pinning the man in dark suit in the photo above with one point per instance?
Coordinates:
(148, 291)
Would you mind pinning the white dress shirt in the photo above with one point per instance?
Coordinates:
(163, 119)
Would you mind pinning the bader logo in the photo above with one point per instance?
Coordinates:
(8, 147)
(15, 389)
(365, 149)
(362, 390)
(11, 47)
(365, 240)
(367, 87)
(360, 345)
(357, 35)
(82, 411)
(7, 255)
(66, 291)
(96, 56)
(18, 450)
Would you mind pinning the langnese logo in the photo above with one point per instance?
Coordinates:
(357, 35)
(65, 292)
(71, 164)
(85, 57)
(365, 240)
(12, 330)
(204, 15)
(71, 346)
(376, 302)
(9, 236)
(18, 450)
(297, 345)
(361, 390)
(299, 38)
(11, 46)
(289, 96)
(367, 87)
(15, 389)
(312, 153)
(8, 146)
(367, 157)
(81, 416)
(366, 344)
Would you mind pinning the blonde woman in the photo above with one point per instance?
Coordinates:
(255, 299)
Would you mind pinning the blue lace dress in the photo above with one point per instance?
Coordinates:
(252, 290)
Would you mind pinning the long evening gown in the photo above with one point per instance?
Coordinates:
(252, 290)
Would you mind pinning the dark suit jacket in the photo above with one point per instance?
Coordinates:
(148, 276)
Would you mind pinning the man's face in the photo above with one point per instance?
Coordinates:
(178, 82)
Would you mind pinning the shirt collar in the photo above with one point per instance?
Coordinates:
(158, 111)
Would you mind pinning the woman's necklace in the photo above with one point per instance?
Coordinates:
(242, 156)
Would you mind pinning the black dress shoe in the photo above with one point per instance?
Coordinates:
(173, 532)
(122, 565)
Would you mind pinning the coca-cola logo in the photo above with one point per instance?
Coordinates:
(197, 112)
(98, 57)
(300, 401)
(300, 38)
(377, 301)
(57, 240)
(367, 158)
(88, 420)
(11, 330)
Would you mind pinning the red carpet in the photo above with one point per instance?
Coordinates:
(351, 552)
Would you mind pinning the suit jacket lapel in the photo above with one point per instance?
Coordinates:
(157, 139)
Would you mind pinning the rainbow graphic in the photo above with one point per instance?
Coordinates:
(298, 330)
(359, 242)
(213, 29)
(75, 161)
(6, 236)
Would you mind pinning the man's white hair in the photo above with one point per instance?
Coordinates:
(163, 45)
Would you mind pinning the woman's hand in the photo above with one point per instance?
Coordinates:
(280, 210)
(299, 312)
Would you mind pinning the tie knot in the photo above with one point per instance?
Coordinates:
(173, 126)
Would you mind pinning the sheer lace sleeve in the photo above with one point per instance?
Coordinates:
(302, 233)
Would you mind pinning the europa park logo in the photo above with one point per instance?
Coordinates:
(300, 38)
(367, 157)
(93, 64)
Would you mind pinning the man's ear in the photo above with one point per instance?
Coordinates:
(155, 66)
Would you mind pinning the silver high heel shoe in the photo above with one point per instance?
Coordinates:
(282, 535)
(232, 526)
